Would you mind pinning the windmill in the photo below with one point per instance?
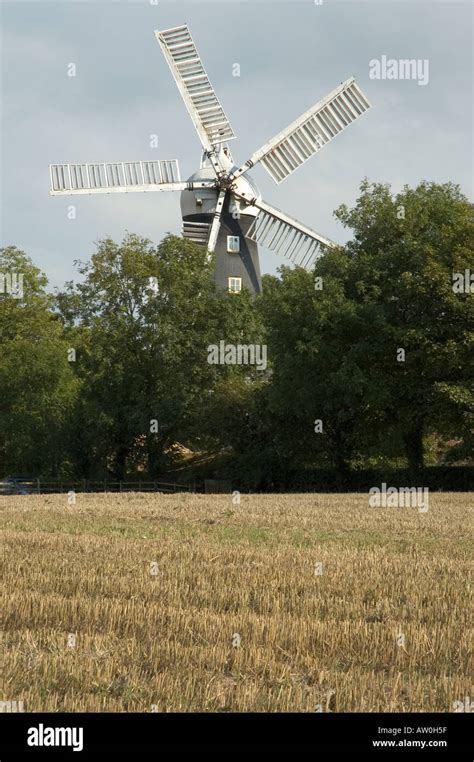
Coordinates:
(221, 206)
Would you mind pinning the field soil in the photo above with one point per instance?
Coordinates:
(190, 603)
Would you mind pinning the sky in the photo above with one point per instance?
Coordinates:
(291, 54)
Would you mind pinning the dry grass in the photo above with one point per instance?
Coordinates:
(308, 642)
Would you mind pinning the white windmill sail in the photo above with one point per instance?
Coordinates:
(199, 96)
(117, 177)
(281, 233)
(310, 132)
(216, 222)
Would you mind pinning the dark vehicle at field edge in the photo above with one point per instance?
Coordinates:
(16, 485)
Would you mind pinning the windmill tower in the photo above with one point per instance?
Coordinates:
(221, 206)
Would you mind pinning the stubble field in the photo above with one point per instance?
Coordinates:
(191, 603)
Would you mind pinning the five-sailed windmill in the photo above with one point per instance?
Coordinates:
(221, 206)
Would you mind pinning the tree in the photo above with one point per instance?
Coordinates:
(321, 396)
(404, 255)
(37, 385)
(374, 347)
(142, 320)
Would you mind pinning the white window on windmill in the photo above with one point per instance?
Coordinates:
(235, 285)
(233, 244)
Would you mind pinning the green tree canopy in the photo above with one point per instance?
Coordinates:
(405, 253)
(142, 319)
(370, 356)
(37, 385)
(384, 347)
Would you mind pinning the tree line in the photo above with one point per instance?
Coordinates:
(143, 365)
